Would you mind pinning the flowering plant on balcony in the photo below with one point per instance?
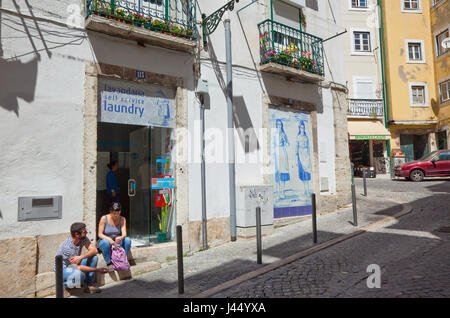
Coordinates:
(176, 30)
(264, 38)
(125, 15)
(138, 19)
(305, 61)
(285, 57)
(270, 55)
(148, 24)
(102, 9)
(120, 15)
(159, 25)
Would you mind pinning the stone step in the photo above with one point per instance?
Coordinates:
(140, 268)
(45, 282)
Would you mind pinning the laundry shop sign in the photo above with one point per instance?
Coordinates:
(136, 104)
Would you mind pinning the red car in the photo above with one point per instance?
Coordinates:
(435, 164)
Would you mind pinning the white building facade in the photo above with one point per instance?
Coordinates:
(364, 80)
(89, 83)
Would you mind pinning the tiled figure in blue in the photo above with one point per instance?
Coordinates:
(303, 157)
(281, 143)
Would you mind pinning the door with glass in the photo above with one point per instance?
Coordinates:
(139, 185)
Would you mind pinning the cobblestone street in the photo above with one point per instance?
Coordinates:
(413, 254)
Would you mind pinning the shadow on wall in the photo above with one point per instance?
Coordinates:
(278, 87)
(241, 117)
(435, 107)
(244, 125)
(18, 79)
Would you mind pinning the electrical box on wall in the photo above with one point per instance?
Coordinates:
(247, 199)
(40, 208)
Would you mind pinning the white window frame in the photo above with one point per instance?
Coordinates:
(351, 8)
(435, 35)
(418, 10)
(425, 85)
(422, 51)
(447, 101)
(352, 40)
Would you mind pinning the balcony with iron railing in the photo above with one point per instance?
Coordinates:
(290, 52)
(366, 108)
(166, 23)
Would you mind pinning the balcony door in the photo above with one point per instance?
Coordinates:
(364, 88)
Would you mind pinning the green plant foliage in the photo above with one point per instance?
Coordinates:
(164, 218)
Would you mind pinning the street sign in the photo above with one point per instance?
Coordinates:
(370, 137)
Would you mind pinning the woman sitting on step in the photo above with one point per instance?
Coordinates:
(112, 229)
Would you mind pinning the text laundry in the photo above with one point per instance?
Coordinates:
(125, 109)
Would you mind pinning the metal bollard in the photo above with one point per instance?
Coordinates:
(365, 182)
(355, 216)
(59, 276)
(180, 259)
(258, 236)
(314, 217)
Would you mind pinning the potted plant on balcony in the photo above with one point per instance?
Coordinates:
(164, 219)
(128, 18)
(306, 61)
(119, 15)
(263, 39)
(270, 56)
(138, 19)
(96, 7)
(158, 25)
(148, 23)
(189, 32)
(284, 57)
(100, 8)
(175, 30)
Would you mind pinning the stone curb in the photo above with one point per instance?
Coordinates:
(215, 290)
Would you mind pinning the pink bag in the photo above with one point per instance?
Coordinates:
(119, 258)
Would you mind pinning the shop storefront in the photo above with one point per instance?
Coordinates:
(368, 147)
(134, 133)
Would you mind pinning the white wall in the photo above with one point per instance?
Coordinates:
(42, 139)
(41, 136)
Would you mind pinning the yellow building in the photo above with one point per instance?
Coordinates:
(411, 93)
(440, 25)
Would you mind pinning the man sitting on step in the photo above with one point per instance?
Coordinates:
(79, 269)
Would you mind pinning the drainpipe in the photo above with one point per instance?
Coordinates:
(386, 95)
(271, 25)
(203, 168)
(271, 10)
(231, 163)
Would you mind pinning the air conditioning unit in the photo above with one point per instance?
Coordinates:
(297, 3)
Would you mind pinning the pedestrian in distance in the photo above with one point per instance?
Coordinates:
(112, 230)
(112, 184)
(79, 269)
